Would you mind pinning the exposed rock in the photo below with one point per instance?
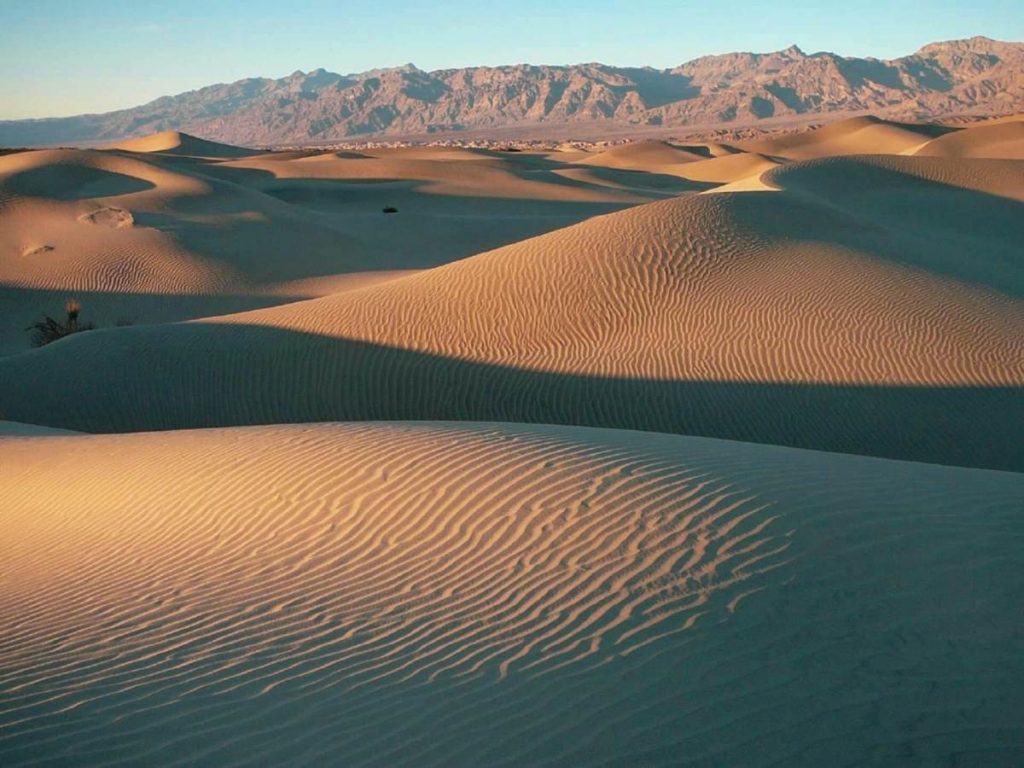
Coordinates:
(975, 76)
(115, 218)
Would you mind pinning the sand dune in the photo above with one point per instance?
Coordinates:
(177, 143)
(121, 227)
(843, 300)
(1003, 139)
(652, 157)
(855, 136)
(729, 168)
(418, 529)
(440, 594)
(643, 156)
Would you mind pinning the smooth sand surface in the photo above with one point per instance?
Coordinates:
(643, 156)
(474, 594)
(869, 305)
(855, 136)
(1000, 139)
(176, 143)
(18, 429)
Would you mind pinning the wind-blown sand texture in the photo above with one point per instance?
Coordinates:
(440, 594)
(182, 228)
(843, 298)
(421, 529)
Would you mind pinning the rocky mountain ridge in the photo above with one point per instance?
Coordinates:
(976, 76)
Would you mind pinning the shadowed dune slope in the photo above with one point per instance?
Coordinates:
(702, 305)
(855, 136)
(474, 594)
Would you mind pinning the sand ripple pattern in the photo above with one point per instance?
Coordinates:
(431, 594)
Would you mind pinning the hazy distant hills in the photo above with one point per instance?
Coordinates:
(978, 76)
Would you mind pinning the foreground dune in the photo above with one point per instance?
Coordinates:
(441, 594)
(869, 305)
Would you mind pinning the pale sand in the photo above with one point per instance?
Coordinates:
(643, 156)
(175, 143)
(442, 594)
(1000, 139)
(855, 136)
(869, 304)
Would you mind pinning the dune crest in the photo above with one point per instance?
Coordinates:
(177, 143)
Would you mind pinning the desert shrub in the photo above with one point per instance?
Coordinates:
(49, 330)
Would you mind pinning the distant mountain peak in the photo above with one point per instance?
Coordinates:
(975, 75)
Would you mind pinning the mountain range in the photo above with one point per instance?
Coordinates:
(972, 77)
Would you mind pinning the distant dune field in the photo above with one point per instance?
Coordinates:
(157, 234)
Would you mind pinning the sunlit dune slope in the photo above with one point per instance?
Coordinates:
(855, 136)
(473, 594)
(726, 169)
(996, 140)
(642, 156)
(68, 223)
(177, 143)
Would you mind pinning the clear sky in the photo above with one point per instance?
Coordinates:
(64, 57)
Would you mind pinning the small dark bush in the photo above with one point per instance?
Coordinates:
(49, 330)
(390, 209)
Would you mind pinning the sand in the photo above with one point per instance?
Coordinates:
(660, 455)
(157, 234)
(855, 136)
(996, 140)
(467, 594)
(842, 298)
(177, 143)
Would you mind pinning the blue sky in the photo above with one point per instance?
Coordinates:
(63, 57)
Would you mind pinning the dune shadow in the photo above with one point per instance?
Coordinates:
(21, 306)
(167, 377)
(644, 182)
(75, 182)
(970, 235)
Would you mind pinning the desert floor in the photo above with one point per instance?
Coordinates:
(656, 455)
